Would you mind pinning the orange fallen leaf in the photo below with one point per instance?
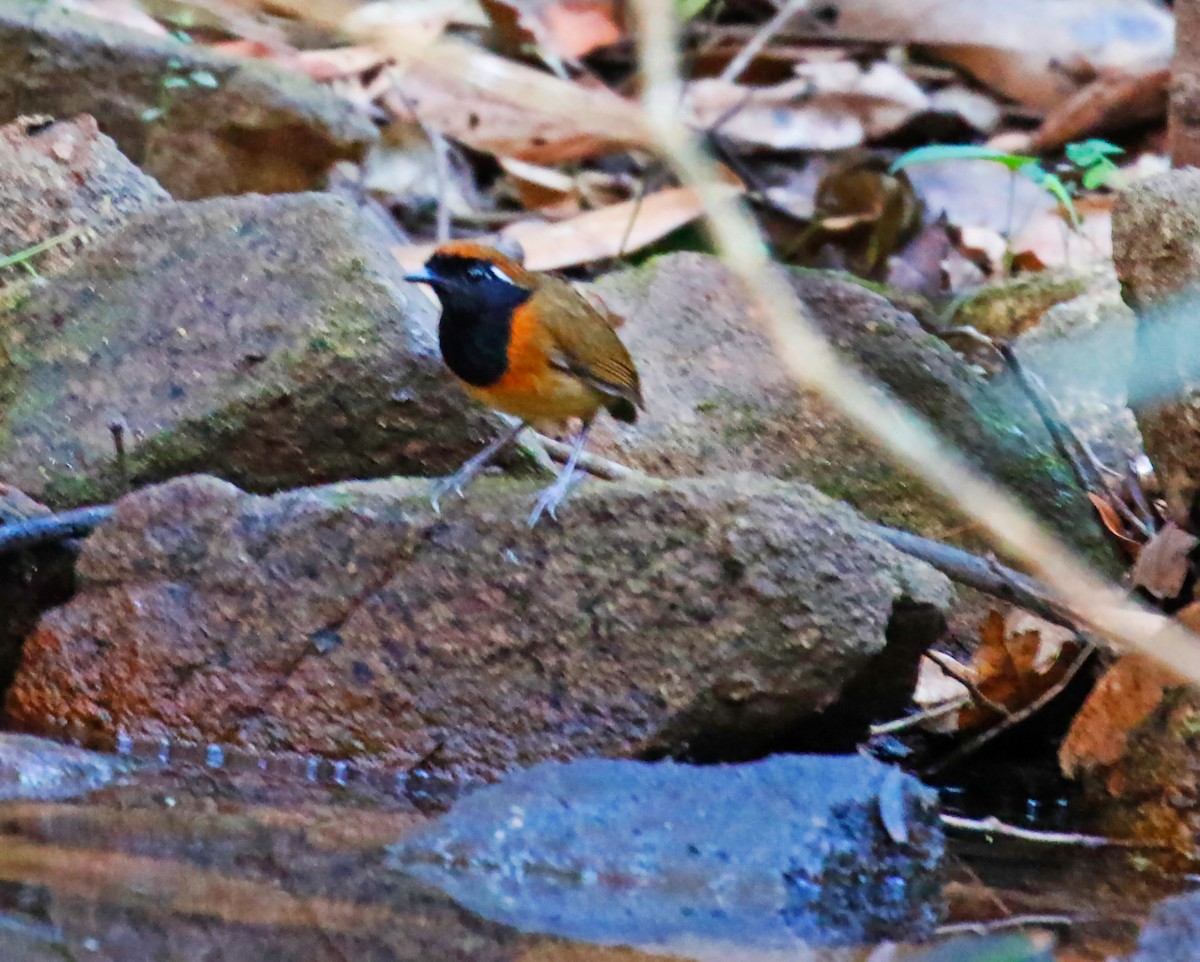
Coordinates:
(562, 29)
(1114, 100)
(594, 236)
(1114, 525)
(1014, 665)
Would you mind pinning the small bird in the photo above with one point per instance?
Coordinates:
(529, 345)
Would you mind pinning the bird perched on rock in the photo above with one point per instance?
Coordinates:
(529, 345)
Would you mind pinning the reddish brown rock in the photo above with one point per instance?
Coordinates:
(351, 621)
(58, 177)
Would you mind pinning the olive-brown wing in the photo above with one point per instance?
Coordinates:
(587, 346)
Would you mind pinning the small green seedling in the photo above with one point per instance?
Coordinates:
(178, 77)
(1090, 163)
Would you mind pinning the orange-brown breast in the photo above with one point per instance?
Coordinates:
(532, 387)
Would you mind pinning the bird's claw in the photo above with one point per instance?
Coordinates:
(441, 488)
(551, 498)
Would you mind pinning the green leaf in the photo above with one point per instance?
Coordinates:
(174, 63)
(174, 83)
(1100, 174)
(202, 78)
(151, 114)
(687, 9)
(1089, 153)
(940, 152)
(181, 36)
(1053, 183)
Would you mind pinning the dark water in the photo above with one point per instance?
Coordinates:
(212, 858)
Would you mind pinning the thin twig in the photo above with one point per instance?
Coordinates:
(1016, 717)
(956, 671)
(983, 574)
(918, 719)
(761, 38)
(1030, 920)
(993, 826)
(589, 462)
(1065, 442)
(52, 529)
(813, 362)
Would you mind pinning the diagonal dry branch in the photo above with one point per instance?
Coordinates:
(896, 429)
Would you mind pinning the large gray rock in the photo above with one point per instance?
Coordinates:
(1156, 249)
(352, 621)
(270, 340)
(790, 852)
(247, 126)
(718, 398)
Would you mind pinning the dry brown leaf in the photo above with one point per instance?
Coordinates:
(595, 236)
(546, 190)
(1114, 525)
(1014, 665)
(506, 108)
(1113, 101)
(1162, 564)
(608, 232)
(1034, 51)
(830, 106)
(1123, 698)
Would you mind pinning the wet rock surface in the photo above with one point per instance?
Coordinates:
(1083, 352)
(352, 621)
(718, 398)
(61, 176)
(243, 127)
(1172, 933)
(37, 769)
(786, 852)
(270, 340)
(1156, 249)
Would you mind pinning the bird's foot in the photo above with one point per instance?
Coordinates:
(455, 483)
(554, 495)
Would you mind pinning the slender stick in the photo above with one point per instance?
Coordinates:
(993, 826)
(52, 528)
(760, 39)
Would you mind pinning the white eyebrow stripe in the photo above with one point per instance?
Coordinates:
(500, 274)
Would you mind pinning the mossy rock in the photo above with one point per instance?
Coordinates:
(719, 399)
(269, 340)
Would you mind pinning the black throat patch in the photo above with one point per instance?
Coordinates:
(476, 327)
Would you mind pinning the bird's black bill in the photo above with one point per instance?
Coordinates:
(425, 276)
